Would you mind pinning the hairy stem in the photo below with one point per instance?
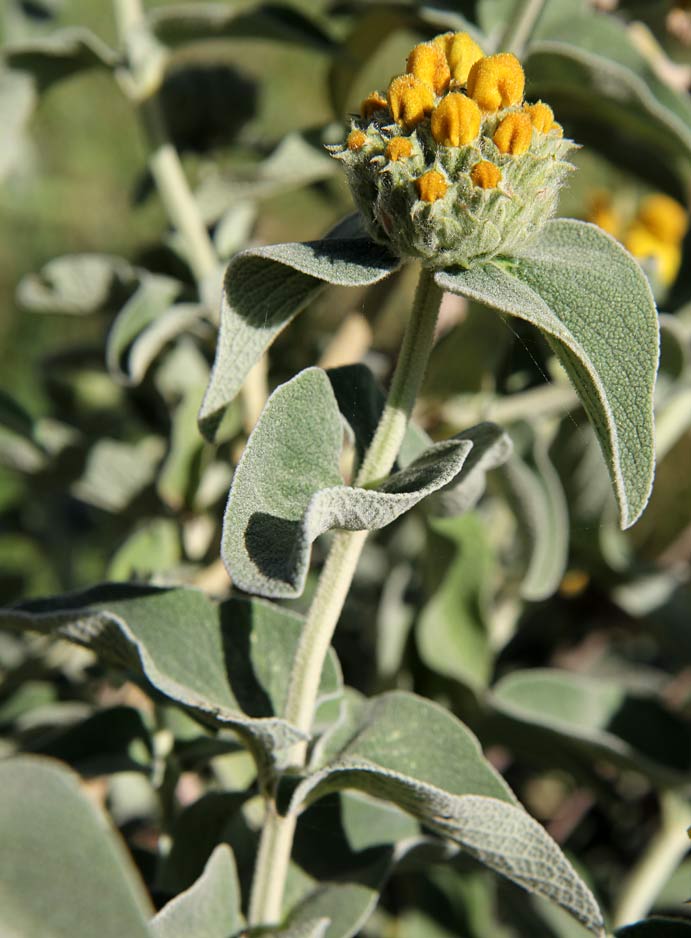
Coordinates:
(277, 835)
(520, 27)
(662, 856)
(164, 162)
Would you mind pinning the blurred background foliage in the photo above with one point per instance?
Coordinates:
(563, 642)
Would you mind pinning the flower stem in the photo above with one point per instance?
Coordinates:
(521, 26)
(164, 162)
(277, 835)
(662, 856)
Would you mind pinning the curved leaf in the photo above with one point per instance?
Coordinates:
(229, 664)
(76, 284)
(593, 303)
(408, 750)
(60, 55)
(63, 869)
(210, 908)
(266, 287)
(287, 489)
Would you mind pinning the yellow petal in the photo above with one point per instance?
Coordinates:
(485, 175)
(496, 81)
(428, 63)
(455, 121)
(514, 133)
(431, 186)
(410, 100)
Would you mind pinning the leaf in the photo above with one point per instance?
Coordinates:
(17, 101)
(188, 22)
(592, 301)
(48, 829)
(144, 325)
(153, 547)
(266, 287)
(536, 495)
(208, 909)
(656, 927)
(597, 717)
(268, 528)
(452, 630)
(76, 284)
(229, 664)
(408, 750)
(116, 472)
(60, 55)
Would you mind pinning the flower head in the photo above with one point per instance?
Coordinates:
(453, 167)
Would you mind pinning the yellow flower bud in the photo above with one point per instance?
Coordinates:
(496, 81)
(514, 133)
(485, 175)
(372, 103)
(664, 217)
(427, 62)
(557, 129)
(410, 100)
(399, 148)
(462, 52)
(431, 186)
(601, 213)
(541, 116)
(356, 140)
(456, 120)
(644, 245)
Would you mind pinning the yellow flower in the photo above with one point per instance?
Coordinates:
(410, 100)
(514, 133)
(541, 116)
(485, 175)
(399, 148)
(356, 140)
(462, 52)
(455, 121)
(664, 218)
(428, 63)
(372, 103)
(601, 213)
(431, 186)
(665, 255)
(496, 81)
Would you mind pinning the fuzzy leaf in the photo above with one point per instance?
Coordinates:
(411, 751)
(63, 869)
(593, 303)
(195, 652)
(60, 55)
(269, 528)
(208, 909)
(266, 287)
(76, 284)
(597, 717)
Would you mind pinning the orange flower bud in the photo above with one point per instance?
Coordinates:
(456, 120)
(462, 52)
(399, 148)
(410, 100)
(356, 140)
(514, 133)
(541, 116)
(372, 103)
(496, 81)
(428, 63)
(431, 186)
(485, 175)
(664, 217)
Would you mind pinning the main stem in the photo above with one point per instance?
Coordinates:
(277, 835)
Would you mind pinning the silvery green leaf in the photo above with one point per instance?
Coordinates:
(176, 479)
(147, 306)
(410, 751)
(592, 301)
(266, 287)
(59, 55)
(193, 651)
(269, 525)
(153, 547)
(76, 284)
(210, 908)
(536, 495)
(452, 630)
(17, 101)
(596, 717)
(63, 869)
(116, 472)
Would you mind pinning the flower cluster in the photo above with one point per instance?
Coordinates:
(654, 235)
(451, 165)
